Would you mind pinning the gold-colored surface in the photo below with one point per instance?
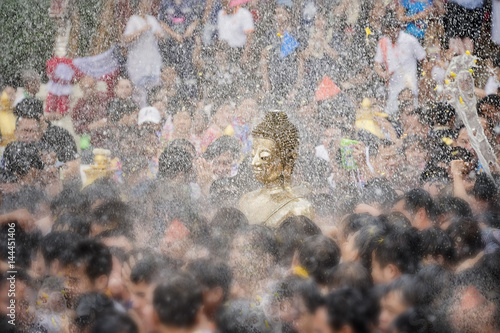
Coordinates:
(274, 152)
(101, 167)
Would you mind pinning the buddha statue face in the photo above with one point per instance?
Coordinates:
(274, 149)
(266, 161)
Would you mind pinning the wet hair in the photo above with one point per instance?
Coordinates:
(62, 142)
(58, 245)
(295, 286)
(30, 108)
(379, 190)
(355, 222)
(221, 145)
(242, 316)
(437, 279)
(182, 143)
(20, 157)
(104, 189)
(485, 188)
(178, 300)
(466, 235)
(422, 320)
(442, 113)
(229, 219)
(115, 322)
(433, 173)
(493, 100)
(366, 241)
(113, 215)
(90, 307)
(347, 306)
(145, 270)
(261, 237)
(437, 242)
(291, 234)
(73, 223)
(70, 201)
(211, 274)
(95, 256)
(352, 274)
(455, 206)
(416, 199)
(173, 161)
(400, 247)
(319, 255)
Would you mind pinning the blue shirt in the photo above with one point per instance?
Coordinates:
(414, 7)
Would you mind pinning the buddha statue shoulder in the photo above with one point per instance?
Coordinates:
(275, 147)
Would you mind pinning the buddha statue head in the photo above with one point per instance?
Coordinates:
(275, 147)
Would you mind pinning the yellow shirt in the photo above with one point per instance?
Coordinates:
(7, 121)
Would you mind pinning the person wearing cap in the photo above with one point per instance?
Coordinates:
(396, 61)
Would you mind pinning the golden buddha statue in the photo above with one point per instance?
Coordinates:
(102, 167)
(275, 147)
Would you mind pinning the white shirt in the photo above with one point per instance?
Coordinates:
(401, 60)
(234, 27)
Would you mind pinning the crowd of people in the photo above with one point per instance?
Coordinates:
(404, 236)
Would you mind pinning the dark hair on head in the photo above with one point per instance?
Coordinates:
(180, 104)
(261, 237)
(437, 280)
(442, 113)
(90, 307)
(295, 286)
(390, 20)
(291, 234)
(94, 255)
(115, 322)
(456, 207)
(379, 190)
(29, 197)
(466, 235)
(421, 320)
(145, 270)
(366, 241)
(411, 288)
(241, 316)
(221, 145)
(173, 161)
(58, 245)
(178, 300)
(20, 157)
(30, 108)
(347, 307)
(485, 188)
(211, 274)
(104, 189)
(229, 220)
(493, 100)
(355, 222)
(71, 201)
(436, 242)
(319, 255)
(63, 142)
(400, 247)
(433, 173)
(182, 143)
(460, 153)
(113, 215)
(352, 274)
(72, 223)
(418, 198)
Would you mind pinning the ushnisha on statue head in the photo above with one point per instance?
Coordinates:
(275, 148)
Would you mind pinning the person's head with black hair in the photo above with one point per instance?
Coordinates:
(295, 301)
(70, 200)
(437, 247)
(252, 256)
(183, 143)
(353, 223)
(86, 267)
(223, 226)
(421, 320)
(73, 223)
(437, 280)
(466, 236)
(223, 153)
(318, 255)
(433, 179)
(344, 310)
(291, 234)
(397, 297)
(398, 252)
(485, 190)
(378, 193)
(417, 205)
(351, 274)
(111, 215)
(449, 208)
(360, 245)
(115, 322)
(101, 191)
(29, 108)
(442, 114)
(30, 80)
(23, 160)
(488, 107)
(241, 316)
(89, 308)
(175, 164)
(178, 303)
(215, 278)
(55, 247)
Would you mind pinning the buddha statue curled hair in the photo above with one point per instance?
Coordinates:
(278, 128)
